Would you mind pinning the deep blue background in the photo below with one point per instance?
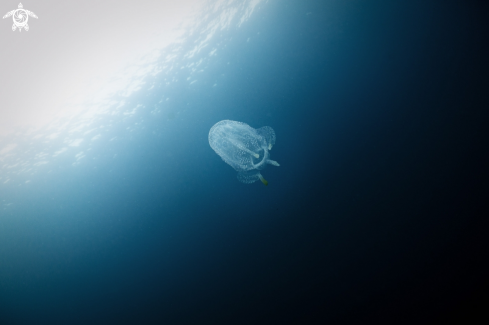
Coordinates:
(375, 214)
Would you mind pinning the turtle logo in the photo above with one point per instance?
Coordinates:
(20, 17)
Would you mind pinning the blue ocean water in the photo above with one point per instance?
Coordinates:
(136, 220)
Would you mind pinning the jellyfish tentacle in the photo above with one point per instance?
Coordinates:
(264, 181)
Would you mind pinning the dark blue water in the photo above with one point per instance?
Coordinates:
(380, 111)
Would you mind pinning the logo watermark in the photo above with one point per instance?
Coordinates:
(20, 17)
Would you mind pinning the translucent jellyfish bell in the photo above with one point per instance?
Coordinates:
(244, 148)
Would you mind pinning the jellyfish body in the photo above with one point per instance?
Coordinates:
(244, 148)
